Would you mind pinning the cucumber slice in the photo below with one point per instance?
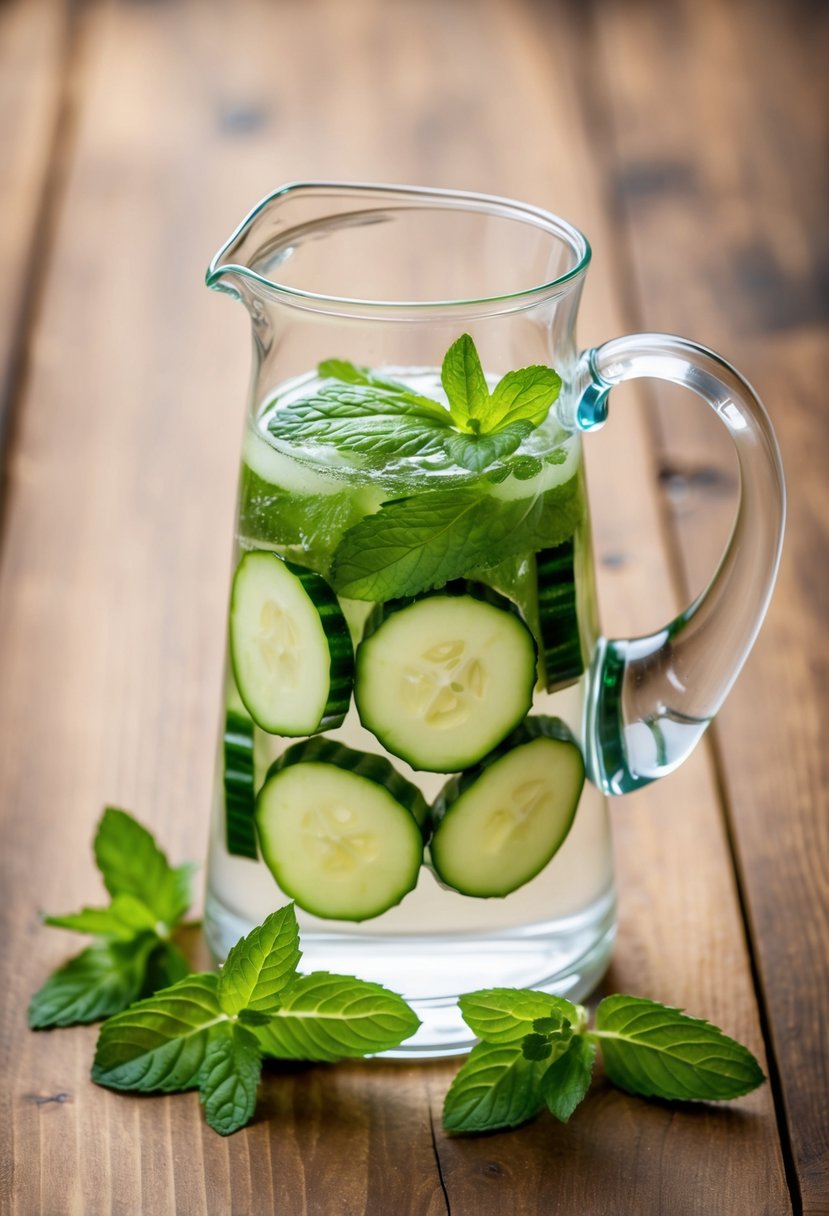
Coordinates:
(290, 646)
(240, 798)
(499, 824)
(444, 677)
(340, 830)
(558, 616)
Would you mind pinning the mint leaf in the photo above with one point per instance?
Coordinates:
(506, 1015)
(567, 1080)
(347, 372)
(122, 920)
(100, 981)
(410, 545)
(523, 468)
(352, 373)
(656, 1051)
(478, 452)
(229, 1077)
(524, 395)
(496, 1087)
(560, 512)
(414, 544)
(166, 965)
(160, 1043)
(552, 1024)
(132, 863)
(536, 1047)
(328, 1017)
(465, 385)
(260, 965)
(365, 419)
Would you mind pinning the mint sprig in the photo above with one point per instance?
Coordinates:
(133, 952)
(211, 1031)
(202, 1031)
(522, 396)
(359, 411)
(538, 1051)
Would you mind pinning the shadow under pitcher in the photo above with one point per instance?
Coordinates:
(422, 721)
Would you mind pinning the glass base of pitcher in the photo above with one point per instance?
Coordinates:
(567, 957)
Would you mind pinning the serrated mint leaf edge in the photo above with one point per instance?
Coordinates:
(463, 1113)
(473, 1007)
(125, 917)
(371, 1029)
(88, 1005)
(214, 1095)
(261, 965)
(464, 383)
(578, 1047)
(618, 1050)
(171, 896)
(535, 389)
(144, 1016)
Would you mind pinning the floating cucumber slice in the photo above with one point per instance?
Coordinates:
(500, 823)
(444, 677)
(558, 617)
(290, 646)
(240, 798)
(340, 830)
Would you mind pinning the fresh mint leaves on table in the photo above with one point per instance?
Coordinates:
(207, 1031)
(364, 413)
(211, 1031)
(537, 1051)
(133, 952)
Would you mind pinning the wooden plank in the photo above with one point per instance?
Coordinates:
(121, 530)
(34, 52)
(744, 213)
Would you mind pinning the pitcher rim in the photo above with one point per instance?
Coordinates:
(460, 199)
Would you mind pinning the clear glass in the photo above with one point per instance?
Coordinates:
(388, 278)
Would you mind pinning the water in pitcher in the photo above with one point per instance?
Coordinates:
(465, 728)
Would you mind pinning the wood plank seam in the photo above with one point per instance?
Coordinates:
(617, 209)
(38, 256)
(438, 1162)
(714, 744)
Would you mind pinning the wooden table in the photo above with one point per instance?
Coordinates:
(688, 139)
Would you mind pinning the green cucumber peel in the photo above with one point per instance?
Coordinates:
(539, 1050)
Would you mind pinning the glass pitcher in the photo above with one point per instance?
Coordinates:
(422, 720)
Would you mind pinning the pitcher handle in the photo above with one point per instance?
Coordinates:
(652, 697)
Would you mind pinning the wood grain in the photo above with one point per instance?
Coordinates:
(35, 46)
(755, 286)
(113, 581)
